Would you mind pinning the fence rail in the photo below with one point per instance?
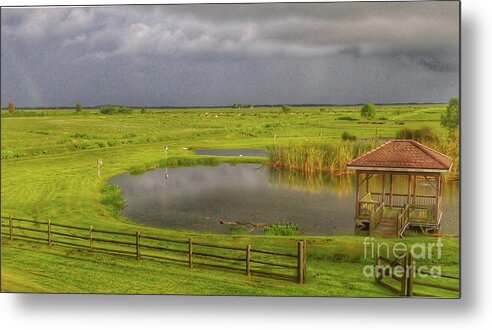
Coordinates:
(278, 264)
(406, 280)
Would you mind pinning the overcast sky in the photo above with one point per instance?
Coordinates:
(223, 54)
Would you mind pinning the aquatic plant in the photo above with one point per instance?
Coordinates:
(112, 197)
(281, 229)
(137, 169)
(238, 230)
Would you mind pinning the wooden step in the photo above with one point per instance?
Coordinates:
(386, 228)
(383, 233)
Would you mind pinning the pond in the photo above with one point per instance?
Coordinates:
(198, 198)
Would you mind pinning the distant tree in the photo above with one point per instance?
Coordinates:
(286, 109)
(368, 111)
(79, 107)
(11, 107)
(451, 117)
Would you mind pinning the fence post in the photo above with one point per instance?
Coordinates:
(410, 268)
(300, 259)
(248, 260)
(11, 227)
(304, 269)
(377, 269)
(137, 244)
(190, 253)
(91, 244)
(403, 281)
(49, 232)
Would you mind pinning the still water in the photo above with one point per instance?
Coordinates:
(197, 198)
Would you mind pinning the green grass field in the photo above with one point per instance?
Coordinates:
(49, 171)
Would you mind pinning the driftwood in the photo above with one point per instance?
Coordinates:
(244, 223)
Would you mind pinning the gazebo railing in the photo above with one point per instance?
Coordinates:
(376, 218)
(403, 220)
(399, 200)
(366, 208)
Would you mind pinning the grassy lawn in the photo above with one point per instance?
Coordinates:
(53, 175)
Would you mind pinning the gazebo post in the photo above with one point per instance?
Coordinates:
(391, 191)
(409, 186)
(368, 177)
(383, 190)
(357, 174)
(438, 188)
(414, 188)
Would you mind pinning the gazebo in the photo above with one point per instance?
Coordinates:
(419, 171)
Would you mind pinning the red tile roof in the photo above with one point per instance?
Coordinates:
(407, 155)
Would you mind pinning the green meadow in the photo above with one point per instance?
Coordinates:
(49, 171)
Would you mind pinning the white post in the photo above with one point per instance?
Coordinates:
(99, 164)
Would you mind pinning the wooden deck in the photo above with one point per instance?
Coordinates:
(393, 222)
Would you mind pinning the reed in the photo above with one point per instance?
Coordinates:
(112, 197)
(312, 156)
(333, 156)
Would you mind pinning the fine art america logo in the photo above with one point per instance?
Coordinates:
(422, 253)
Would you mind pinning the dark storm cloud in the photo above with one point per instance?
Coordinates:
(222, 54)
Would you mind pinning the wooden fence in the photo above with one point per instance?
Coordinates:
(248, 260)
(406, 281)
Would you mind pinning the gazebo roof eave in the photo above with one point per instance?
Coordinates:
(397, 169)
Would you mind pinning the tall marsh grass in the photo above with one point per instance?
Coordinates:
(112, 197)
(315, 156)
(171, 162)
(333, 156)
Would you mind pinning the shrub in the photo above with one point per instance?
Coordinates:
(125, 111)
(9, 154)
(346, 118)
(110, 110)
(281, 229)
(368, 111)
(11, 107)
(424, 134)
(346, 136)
(286, 109)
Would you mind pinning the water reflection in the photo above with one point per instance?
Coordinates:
(197, 198)
(339, 185)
